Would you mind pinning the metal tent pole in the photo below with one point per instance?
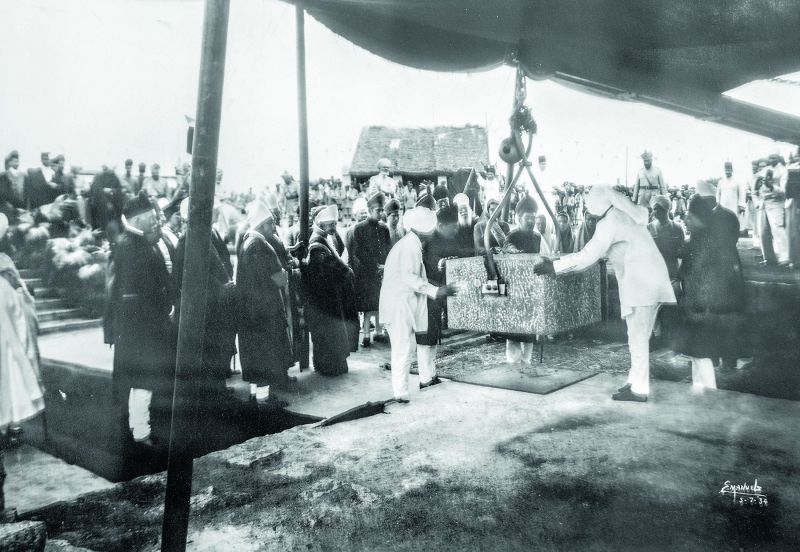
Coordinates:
(195, 275)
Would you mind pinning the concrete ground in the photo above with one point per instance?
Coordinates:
(464, 467)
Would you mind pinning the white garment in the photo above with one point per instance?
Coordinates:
(731, 194)
(775, 214)
(21, 396)
(405, 289)
(634, 257)
(382, 183)
(517, 351)
(640, 324)
(139, 413)
(403, 345)
(426, 362)
(703, 373)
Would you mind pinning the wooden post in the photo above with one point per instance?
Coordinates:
(302, 132)
(195, 275)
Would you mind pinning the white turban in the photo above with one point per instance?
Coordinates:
(3, 225)
(360, 205)
(258, 212)
(706, 189)
(328, 214)
(600, 198)
(420, 219)
(461, 199)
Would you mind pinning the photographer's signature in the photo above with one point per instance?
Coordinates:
(745, 493)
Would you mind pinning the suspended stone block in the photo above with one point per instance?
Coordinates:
(541, 305)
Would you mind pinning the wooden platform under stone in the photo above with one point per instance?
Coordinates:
(541, 305)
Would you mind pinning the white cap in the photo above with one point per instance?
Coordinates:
(328, 214)
(461, 199)
(3, 225)
(257, 212)
(359, 205)
(420, 219)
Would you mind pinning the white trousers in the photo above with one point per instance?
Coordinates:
(404, 344)
(703, 373)
(776, 217)
(365, 323)
(426, 362)
(640, 325)
(517, 351)
(139, 413)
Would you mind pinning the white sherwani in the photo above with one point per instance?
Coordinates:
(384, 184)
(731, 194)
(403, 306)
(644, 283)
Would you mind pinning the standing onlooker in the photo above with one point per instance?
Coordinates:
(105, 204)
(498, 233)
(667, 234)
(330, 297)
(40, 189)
(144, 339)
(262, 283)
(566, 241)
(404, 299)
(383, 182)
(731, 193)
(12, 187)
(140, 178)
(649, 182)
(128, 181)
(712, 300)
(410, 197)
(773, 227)
(396, 231)
(466, 226)
(523, 239)
(155, 186)
(370, 247)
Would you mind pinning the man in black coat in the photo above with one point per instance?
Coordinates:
(262, 284)
(39, 187)
(330, 297)
(143, 337)
(106, 199)
(12, 187)
(370, 247)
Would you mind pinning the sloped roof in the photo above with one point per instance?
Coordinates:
(420, 150)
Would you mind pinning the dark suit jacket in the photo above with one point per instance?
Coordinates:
(38, 191)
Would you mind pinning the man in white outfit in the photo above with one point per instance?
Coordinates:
(403, 306)
(621, 235)
(732, 194)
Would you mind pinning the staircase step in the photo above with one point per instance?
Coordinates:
(45, 293)
(28, 273)
(58, 314)
(44, 304)
(54, 326)
(33, 282)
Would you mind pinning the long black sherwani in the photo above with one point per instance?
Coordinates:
(330, 305)
(144, 339)
(219, 340)
(264, 342)
(370, 247)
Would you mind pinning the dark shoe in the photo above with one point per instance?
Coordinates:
(386, 366)
(434, 381)
(365, 342)
(629, 395)
(380, 338)
(625, 387)
(402, 401)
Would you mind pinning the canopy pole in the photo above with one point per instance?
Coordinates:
(302, 132)
(195, 275)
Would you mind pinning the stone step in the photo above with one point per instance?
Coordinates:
(33, 282)
(45, 293)
(28, 273)
(58, 314)
(54, 326)
(44, 304)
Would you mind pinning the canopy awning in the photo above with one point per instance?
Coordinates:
(679, 54)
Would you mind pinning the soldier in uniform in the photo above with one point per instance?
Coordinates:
(649, 182)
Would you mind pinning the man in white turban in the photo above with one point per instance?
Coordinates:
(403, 299)
(621, 235)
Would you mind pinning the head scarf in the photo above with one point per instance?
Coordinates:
(601, 198)
(420, 219)
(660, 200)
(258, 212)
(360, 206)
(327, 214)
(706, 189)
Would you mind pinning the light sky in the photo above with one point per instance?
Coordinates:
(100, 81)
